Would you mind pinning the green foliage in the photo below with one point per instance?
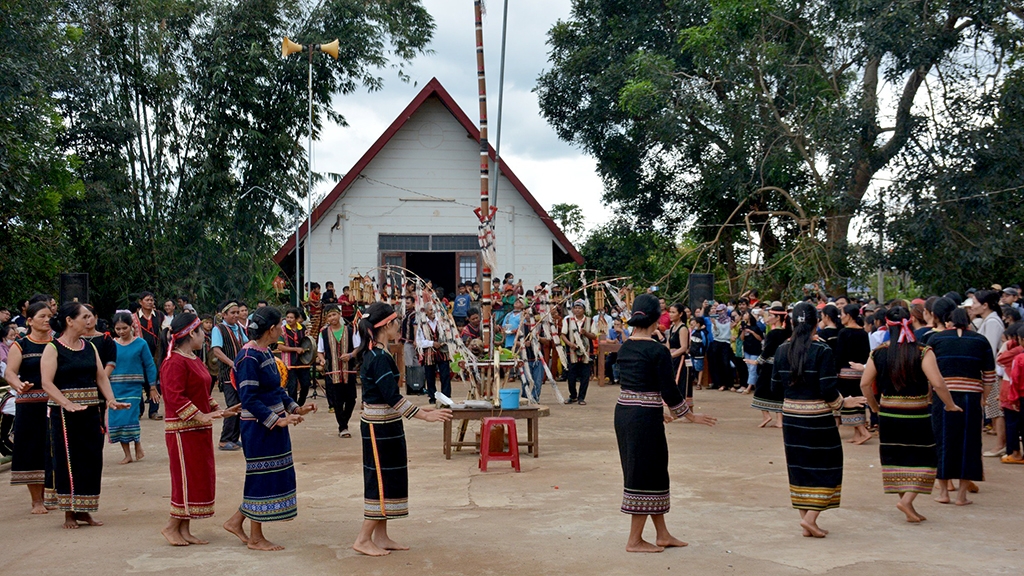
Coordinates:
(569, 218)
(717, 112)
(164, 150)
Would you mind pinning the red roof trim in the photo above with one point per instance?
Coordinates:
(431, 89)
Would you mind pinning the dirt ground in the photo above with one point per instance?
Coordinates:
(559, 516)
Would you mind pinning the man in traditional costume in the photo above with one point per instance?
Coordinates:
(226, 342)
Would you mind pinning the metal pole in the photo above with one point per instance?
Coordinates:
(501, 94)
(298, 266)
(309, 168)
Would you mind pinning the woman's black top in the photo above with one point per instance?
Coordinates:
(818, 381)
(31, 354)
(830, 336)
(646, 366)
(852, 345)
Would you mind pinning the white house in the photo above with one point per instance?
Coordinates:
(409, 201)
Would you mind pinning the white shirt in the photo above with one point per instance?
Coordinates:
(421, 340)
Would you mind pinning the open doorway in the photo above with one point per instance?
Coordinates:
(439, 267)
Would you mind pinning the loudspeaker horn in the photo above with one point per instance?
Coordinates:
(330, 49)
(288, 47)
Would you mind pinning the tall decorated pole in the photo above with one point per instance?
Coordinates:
(486, 211)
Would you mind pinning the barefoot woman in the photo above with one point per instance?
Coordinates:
(385, 471)
(133, 374)
(30, 464)
(905, 373)
(805, 371)
(74, 378)
(188, 425)
(267, 410)
(769, 401)
(648, 382)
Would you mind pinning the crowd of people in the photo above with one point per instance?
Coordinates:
(929, 377)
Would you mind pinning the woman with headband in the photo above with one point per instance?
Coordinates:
(385, 461)
(188, 429)
(267, 410)
(648, 383)
(134, 372)
(905, 373)
(805, 372)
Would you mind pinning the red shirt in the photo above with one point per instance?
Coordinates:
(664, 321)
(347, 309)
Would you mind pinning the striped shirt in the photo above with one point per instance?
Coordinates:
(965, 360)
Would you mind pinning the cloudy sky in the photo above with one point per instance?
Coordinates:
(552, 170)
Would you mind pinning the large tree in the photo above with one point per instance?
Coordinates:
(186, 129)
(773, 117)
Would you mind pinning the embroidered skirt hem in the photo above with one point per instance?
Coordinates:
(643, 452)
(28, 465)
(385, 470)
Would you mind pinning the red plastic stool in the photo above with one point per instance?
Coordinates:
(485, 443)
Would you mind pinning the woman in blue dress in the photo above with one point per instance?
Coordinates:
(132, 374)
(267, 410)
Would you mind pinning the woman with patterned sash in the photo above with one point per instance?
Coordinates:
(385, 463)
(648, 383)
(766, 399)
(804, 370)
(267, 410)
(30, 465)
(74, 378)
(188, 429)
(852, 348)
(968, 367)
(132, 374)
(905, 373)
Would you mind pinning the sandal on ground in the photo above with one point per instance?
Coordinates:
(582, 402)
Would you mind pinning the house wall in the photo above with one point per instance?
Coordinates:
(430, 158)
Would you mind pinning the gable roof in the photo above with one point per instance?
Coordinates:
(433, 88)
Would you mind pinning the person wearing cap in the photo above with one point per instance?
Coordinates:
(648, 384)
(576, 335)
(766, 399)
(1009, 297)
(334, 347)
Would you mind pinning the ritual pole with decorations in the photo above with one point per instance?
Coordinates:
(485, 212)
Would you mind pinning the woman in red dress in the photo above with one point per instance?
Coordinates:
(190, 412)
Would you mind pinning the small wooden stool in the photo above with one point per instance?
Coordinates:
(485, 443)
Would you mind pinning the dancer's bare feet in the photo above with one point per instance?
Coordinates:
(964, 502)
(670, 541)
(972, 487)
(778, 424)
(643, 545)
(234, 525)
(264, 545)
(190, 538)
(387, 543)
(87, 519)
(69, 521)
(139, 454)
(908, 510)
(812, 529)
(38, 508)
(861, 440)
(127, 459)
(767, 421)
(942, 499)
(369, 548)
(174, 537)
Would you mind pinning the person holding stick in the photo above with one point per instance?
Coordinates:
(334, 355)
(385, 461)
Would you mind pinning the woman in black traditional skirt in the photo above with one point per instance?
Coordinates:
(385, 464)
(905, 373)
(805, 371)
(30, 466)
(74, 378)
(765, 399)
(648, 383)
(678, 341)
(852, 348)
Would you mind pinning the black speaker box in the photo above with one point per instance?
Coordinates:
(702, 287)
(74, 288)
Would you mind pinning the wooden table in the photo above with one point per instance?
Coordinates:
(604, 347)
(532, 414)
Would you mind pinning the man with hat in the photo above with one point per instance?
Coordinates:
(576, 335)
(291, 347)
(1010, 297)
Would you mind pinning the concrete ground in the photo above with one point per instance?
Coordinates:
(559, 516)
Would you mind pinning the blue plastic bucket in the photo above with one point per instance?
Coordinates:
(510, 399)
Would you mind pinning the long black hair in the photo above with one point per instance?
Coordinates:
(943, 310)
(375, 314)
(805, 322)
(59, 321)
(853, 311)
(960, 319)
(833, 314)
(902, 358)
(262, 321)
